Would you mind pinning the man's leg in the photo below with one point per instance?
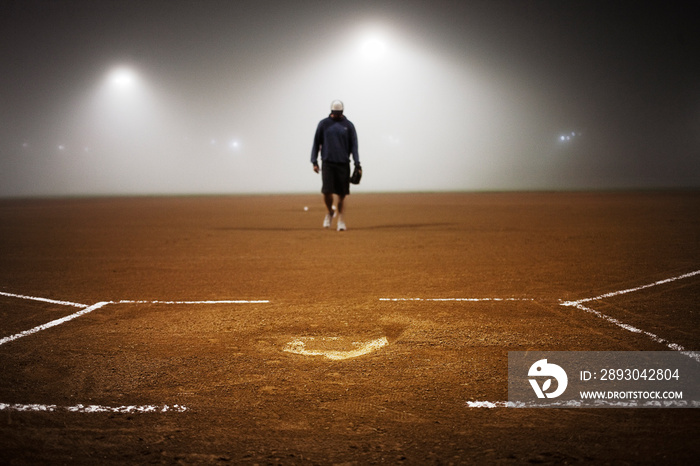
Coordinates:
(328, 200)
(341, 203)
(341, 209)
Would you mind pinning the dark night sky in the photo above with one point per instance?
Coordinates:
(457, 95)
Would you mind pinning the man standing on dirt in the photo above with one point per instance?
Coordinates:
(336, 138)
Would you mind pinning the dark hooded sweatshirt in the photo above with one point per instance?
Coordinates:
(336, 138)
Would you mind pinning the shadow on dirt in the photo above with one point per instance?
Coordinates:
(411, 226)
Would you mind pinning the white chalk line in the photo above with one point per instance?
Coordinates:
(53, 323)
(578, 304)
(588, 404)
(223, 301)
(93, 408)
(631, 290)
(87, 309)
(631, 328)
(470, 300)
(46, 300)
(296, 348)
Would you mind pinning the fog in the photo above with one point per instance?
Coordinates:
(102, 98)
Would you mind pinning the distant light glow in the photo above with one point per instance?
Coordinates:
(123, 77)
(124, 109)
(568, 137)
(373, 46)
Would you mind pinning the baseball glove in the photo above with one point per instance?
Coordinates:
(356, 175)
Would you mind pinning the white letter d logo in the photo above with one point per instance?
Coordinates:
(542, 369)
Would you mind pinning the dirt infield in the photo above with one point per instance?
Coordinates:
(236, 329)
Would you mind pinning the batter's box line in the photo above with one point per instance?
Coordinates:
(579, 305)
(88, 309)
(45, 300)
(79, 408)
(468, 300)
(53, 323)
(631, 328)
(223, 301)
(631, 290)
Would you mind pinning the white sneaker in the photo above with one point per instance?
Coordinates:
(341, 223)
(327, 220)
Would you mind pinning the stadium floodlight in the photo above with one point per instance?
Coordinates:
(122, 77)
(372, 42)
(123, 112)
(373, 46)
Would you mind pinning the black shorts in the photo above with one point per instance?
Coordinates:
(336, 178)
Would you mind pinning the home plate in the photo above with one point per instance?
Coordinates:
(335, 348)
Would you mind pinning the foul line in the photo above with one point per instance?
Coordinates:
(631, 290)
(53, 323)
(88, 309)
(46, 300)
(301, 350)
(631, 328)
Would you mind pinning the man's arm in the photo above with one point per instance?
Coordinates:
(353, 146)
(318, 141)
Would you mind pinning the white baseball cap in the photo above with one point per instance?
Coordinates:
(337, 106)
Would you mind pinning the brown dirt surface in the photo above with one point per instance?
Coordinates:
(248, 382)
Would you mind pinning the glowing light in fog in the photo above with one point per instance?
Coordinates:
(569, 136)
(124, 118)
(123, 77)
(373, 46)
